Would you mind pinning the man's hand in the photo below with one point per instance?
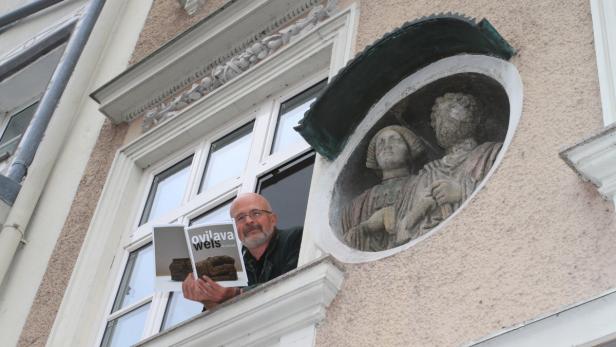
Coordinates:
(446, 192)
(206, 291)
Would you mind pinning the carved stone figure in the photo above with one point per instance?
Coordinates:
(444, 184)
(369, 222)
(404, 206)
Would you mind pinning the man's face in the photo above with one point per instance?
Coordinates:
(253, 232)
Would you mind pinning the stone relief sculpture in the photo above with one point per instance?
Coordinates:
(369, 223)
(401, 209)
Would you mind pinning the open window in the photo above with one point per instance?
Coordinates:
(241, 118)
(198, 188)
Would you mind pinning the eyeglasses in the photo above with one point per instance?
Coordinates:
(254, 214)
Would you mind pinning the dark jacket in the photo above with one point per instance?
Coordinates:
(279, 258)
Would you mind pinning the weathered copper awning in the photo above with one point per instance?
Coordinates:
(335, 114)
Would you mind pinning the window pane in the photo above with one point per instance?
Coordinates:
(126, 330)
(138, 279)
(291, 111)
(216, 215)
(179, 310)
(287, 191)
(18, 123)
(167, 190)
(227, 157)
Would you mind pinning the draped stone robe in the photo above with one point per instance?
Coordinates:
(416, 211)
(389, 193)
(466, 164)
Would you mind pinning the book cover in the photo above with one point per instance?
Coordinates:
(215, 251)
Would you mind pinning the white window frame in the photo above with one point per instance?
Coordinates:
(96, 274)
(193, 204)
(5, 122)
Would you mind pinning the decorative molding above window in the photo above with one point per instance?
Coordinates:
(207, 56)
(265, 316)
(594, 159)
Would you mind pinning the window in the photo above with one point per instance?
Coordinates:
(167, 190)
(286, 188)
(219, 168)
(255, 96)
(133, 299)
(291, 111)
(16, 126)
(198, 187)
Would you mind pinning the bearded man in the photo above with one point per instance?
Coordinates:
(268, 251)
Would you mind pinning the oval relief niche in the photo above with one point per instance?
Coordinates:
(419, 162)
(408, 133)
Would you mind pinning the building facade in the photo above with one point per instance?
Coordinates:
(175, 107)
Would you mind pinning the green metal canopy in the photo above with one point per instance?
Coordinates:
(335, 114)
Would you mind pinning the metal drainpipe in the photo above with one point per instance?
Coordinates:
(25, 11)
(34, 133)
(11, 235)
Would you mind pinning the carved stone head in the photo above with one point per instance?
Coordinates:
(455, 117)
(393, 147)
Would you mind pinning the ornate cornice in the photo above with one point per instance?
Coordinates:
(242, 58)
(594, 160)
(220, 47)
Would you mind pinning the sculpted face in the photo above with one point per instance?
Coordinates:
(392, 151)
(444, 120)
(257, 231)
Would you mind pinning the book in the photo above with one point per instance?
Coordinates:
(212, 250)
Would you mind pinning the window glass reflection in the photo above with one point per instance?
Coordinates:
(179, 310)
(286, 188)
(291, 111)
(138, 279)
(216, 215)
(127, 329)
(227, 158)
(18, 123)
(167, 190)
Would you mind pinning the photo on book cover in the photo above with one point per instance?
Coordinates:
(216, 252)
(171, 257)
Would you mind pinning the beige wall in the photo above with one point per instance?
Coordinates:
(535, 239)
(165, 21)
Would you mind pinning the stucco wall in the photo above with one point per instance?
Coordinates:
(165, 21)
(535, 239)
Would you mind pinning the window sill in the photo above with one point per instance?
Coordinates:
(271, 314)
(585, 324)
(594, 159)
